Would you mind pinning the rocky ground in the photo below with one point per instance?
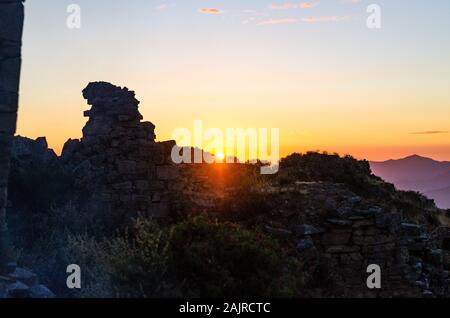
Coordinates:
(344, 233)
(22, 283)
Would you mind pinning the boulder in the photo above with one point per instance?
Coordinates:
(306, 229)
(32, 151)
(41, 291)
(305, 244)
(410, 230)
(18, 290)
(23, 275)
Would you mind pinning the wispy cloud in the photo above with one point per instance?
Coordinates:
(333, 18)
(291, 5)
(429, 132)
(164, 6)
(210, 11)
(278, 21)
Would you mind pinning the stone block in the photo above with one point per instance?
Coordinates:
(9, 49)
(158, 155)
(4, 171)
(363, 223)
(157, 185)
(305, 244)
(389, 220)
(411, 230)
(25, 276)
(159, 210)
(125, 197)
(351, 259)
(18, 290)
(123, 186)
(338, 249)
(11, 20)
(166, 172)
(3, 196)
(334, 238)
(126, 166)
(8, 102)
(306, 229)
(8, 123)
(363, 239)
(40, 291)
(2, 214)
(106, 197)
(142, 185)
(156, 197)
(339, 222)
(5, 147)
(10, 75)
(365, 231)
(435, 257)
(140, 198)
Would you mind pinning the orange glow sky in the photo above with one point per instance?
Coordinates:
(332, 85)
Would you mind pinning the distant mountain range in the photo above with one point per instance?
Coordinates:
(417, 173)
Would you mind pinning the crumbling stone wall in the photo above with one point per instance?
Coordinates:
(338, 234)
(11, 25)
(410, 258)
(125, 171)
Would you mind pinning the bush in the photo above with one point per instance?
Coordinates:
(49, 253)
(131, 265)
(195, 258)
(245, 202)
(224, 260)
(314, 166)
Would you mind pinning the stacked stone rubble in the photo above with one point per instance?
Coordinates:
(11, 24)
(118, 158)
(337, 234)
(347, 233)
(20, 282)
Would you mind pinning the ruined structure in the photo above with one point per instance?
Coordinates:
(117, 159)
(11, 25)
(334, 229)
(339, 234)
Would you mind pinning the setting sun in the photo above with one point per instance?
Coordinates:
(220, 156)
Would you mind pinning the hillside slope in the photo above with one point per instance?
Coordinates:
(416, 173)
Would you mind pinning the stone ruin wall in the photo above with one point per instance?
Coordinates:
(339, 234)
(117, 160)
(11, 25)
(411, 259)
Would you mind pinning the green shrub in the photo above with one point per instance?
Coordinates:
(224, 260)
(315, 166)
(130, 265)
(195, 258)
(245, 202)
(50, 254)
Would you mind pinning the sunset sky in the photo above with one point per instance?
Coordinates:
(311, 68)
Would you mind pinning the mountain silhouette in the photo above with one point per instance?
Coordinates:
(418, 173)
